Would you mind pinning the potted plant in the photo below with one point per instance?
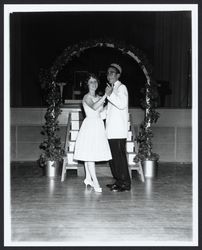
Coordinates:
(53, 152)
(145, 155)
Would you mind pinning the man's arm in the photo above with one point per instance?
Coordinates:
(119, 98)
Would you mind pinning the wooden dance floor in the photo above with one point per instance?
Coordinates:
(46, 210)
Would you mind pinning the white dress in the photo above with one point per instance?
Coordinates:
(91, 143)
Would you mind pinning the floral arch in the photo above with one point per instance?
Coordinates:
(73, 51)
(76, 50)
(48, 79)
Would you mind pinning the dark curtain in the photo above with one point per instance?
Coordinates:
(165, 38)
(172, 56)
(16, 61)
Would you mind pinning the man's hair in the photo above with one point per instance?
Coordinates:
(116, 67)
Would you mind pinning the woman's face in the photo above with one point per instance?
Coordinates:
(92, 84)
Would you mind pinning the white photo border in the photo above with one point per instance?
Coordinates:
(11, 8)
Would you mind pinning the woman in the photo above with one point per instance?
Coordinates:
(92, 144)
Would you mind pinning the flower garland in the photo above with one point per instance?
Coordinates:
(75, 51)
(151, 116)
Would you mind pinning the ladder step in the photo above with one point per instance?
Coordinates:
(71, 146)
(129, 137)
(130, 157)
(71, 166)
(75, 125)
(74, 133)
(130, 146)
(77, 116)
(134, 167)
(138, 168)
(70, 158)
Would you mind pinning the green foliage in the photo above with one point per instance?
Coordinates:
(144, 138)
(51, 146)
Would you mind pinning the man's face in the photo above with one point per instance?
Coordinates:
(112, 75)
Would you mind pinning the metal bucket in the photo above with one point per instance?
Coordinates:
(150, 168)
(53, 169)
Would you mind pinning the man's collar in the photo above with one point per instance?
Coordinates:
(117, 84)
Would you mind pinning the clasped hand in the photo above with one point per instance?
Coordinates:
(108, 90)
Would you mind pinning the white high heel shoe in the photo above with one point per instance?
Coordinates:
(88, 182)
(98, 189)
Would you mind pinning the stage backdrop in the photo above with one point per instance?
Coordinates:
(37, 39)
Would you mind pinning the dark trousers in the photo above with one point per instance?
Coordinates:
(119, 163)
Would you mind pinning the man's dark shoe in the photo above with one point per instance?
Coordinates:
(120, 189)
(115, 188)
(111, 185)
(124, 188)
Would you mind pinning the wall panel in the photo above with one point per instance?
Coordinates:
(172, 133)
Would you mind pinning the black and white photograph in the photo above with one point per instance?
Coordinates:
(100, 125)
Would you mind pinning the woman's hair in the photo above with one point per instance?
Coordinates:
(91, 75)
(85, 86)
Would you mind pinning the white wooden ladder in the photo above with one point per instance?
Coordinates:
(131, 152)
(73, 125)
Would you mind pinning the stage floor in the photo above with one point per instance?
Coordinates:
(159, 210)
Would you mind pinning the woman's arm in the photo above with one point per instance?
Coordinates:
(103, 113)
(94, 105)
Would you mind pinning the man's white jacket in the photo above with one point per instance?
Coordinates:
(117, 112)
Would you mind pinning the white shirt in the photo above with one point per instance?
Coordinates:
(117, 112)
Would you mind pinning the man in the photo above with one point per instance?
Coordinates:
(117, 128)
